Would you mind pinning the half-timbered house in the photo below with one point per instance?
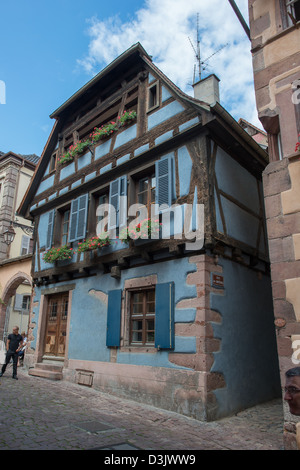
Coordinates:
(174, 321)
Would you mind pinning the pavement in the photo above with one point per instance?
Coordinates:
(41, 414)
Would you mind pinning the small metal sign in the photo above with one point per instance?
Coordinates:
(217, 281)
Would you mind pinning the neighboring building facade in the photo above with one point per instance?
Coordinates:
(169, 322)
(258, 135)
(15, 258)
(275, 34)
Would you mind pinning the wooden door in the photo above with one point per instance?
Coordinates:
(56, 328)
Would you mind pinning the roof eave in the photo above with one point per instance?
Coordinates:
(133, 49)
(218, 108)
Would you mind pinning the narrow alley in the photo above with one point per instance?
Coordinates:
(39, 414)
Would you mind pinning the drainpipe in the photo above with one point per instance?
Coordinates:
(240, 17)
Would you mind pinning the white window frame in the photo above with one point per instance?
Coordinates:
(290, 9)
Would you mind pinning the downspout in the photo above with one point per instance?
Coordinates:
(240, 17)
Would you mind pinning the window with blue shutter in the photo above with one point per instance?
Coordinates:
(114, 318)
(25, 244)
(164, 316)
(118, 200)
(50, 226)
(78, 218)
(164, 182)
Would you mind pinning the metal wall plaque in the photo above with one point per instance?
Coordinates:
(217, 281)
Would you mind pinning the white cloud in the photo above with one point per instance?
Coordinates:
(164, 27)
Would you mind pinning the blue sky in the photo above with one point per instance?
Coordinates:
(49, 49)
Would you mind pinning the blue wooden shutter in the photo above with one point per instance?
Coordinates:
(114, 318)
(73, 220)
(18, 301)
(25, 243)
(50, 229)
(163, 173)
(78, 218)
(164, 316)
(82, 216)
(122, 221)
(114, 189)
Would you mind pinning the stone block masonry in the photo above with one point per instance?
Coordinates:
(206, 344)
(281, 181)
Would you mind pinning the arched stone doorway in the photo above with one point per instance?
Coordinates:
(9, 291)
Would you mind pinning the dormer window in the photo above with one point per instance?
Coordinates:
(153, 96)
(52, 164)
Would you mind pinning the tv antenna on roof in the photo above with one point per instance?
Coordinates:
(202, 64)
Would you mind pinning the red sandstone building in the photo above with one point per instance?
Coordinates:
(275, 36)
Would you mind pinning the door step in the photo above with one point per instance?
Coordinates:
(47, 371)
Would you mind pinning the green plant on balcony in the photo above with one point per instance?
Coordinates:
(64, 159)
(98, 133)
(73, 150)
(57, 254)
(146, 229)
(94, 243)
(127, 117)
(104, 131)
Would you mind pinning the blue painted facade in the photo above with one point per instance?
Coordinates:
(248, 370)
(170, 370)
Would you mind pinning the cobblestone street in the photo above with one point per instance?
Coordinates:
(38, 414)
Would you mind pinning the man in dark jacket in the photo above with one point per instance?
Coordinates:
(13, 345)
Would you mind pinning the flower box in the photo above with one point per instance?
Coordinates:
(94, 243)
(58, 254)
(76, 149)
(103, 132)
(126, 118)
(146, 230)
(99, 133)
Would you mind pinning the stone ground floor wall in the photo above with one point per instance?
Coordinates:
(282, 202)
(224, 338)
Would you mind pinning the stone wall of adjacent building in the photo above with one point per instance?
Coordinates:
(282, 202)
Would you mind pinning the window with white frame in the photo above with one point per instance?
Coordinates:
(293, 11)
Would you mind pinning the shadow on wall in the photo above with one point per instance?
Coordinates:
(248, 356)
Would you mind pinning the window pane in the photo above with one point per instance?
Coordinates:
(150, 302)
(137, 309)
(137, 325)
(143, 198)
(65, 309)
(150, 308)
(65, 227)
(142, 316)
(150, 325)
(136, 337)
(150, 331)
(151, 296)
(137, 331)
(137, 297)
(53, 311)
(66, 216)
(150, 337)
(102, 200)
(143, 185)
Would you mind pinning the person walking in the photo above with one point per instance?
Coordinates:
(13, 345)
(21, 353)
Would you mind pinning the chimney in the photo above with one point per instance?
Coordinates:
(207, 90)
